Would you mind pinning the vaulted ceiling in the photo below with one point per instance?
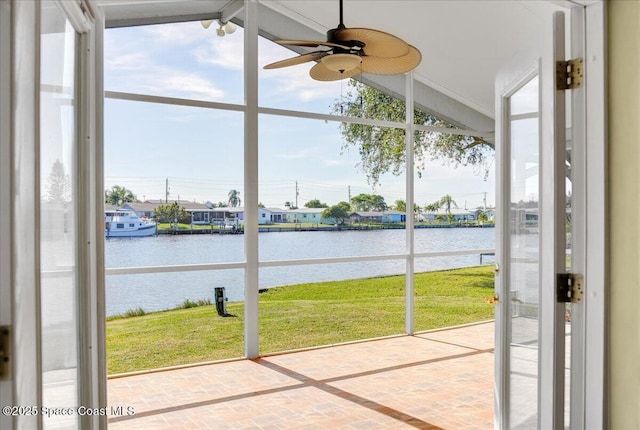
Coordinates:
(463, 43)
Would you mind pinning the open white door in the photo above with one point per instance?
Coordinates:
(538, 224)
(50, 314)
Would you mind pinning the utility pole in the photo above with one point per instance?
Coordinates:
(166, 191)
(484, 201)
(349, 201)
(297, 193)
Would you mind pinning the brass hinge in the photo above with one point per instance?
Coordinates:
(5, 351)
(492, 300)
(569, 287)
(569, 74)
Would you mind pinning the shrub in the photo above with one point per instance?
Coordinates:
(187, 304)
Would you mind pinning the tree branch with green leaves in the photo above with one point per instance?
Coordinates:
(118, 196)
(382, 149)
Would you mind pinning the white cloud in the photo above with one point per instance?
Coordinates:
(300, 154)
(226, 52)
(189, 85)
(128, 62)
(184, 33)
(167, 81)
(334, 162)
(295, 82)
(138, 62)
(124, 52)
(140, 50)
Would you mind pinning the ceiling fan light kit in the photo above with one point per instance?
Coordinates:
(224, 27)
(341, 62)
(229, 27)
(352, 51)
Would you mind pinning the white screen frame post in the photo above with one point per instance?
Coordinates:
(409, 198)
(252, 270)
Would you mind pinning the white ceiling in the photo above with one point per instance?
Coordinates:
(463, 43)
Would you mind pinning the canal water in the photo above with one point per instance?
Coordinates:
(160, 291)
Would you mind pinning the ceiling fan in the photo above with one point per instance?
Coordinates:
(352, 51)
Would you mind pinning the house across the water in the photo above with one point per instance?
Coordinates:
(377, 217)
(199, 212)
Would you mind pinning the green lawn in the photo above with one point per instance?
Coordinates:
(169, 226)
(299, 316)
(306, 225)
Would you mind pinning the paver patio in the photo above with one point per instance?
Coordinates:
(438, 379)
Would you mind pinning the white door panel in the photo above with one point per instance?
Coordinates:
(530, 324)
(48, 243)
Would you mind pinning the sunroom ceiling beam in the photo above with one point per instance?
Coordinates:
(130, 14)
(231, 10)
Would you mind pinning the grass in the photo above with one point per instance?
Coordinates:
(170, 226)
(291, 225)
(300, 316)
(138, 312)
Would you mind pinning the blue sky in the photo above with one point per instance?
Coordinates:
(200, 150)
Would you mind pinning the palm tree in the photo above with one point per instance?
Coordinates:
(118, 196)
(433, 207)
(234, 198)
(446, 202)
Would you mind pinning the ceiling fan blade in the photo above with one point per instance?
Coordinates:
(311, 56)
(377, 43)
(391, 66)
(320, 72)
(311, 43)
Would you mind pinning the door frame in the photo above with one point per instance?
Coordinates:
(590, 409)
(589, 323)
(92, 350)
(6, 181)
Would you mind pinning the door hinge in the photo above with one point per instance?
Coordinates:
(5, 351)
(569, 287)
(492, 300)
(569, 74)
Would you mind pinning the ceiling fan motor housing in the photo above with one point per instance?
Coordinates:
(355, 46)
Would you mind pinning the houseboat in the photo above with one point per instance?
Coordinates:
(126, 223)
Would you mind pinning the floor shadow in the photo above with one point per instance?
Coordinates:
(324, 385)
(345, 395)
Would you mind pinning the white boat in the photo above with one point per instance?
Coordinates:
(126, 223)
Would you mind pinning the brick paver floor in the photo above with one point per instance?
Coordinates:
(434, 380)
